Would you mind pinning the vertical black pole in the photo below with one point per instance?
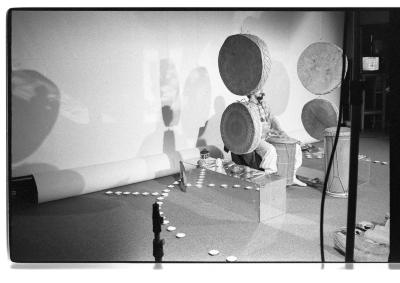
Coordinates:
(355, 100)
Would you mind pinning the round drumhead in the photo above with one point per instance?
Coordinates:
(244, 63)
(320, 67)
(240, 128)
(317, 115)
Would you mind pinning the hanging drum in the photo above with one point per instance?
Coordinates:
(241, 128)
(244, 63)
(320, 67)
(317, 115)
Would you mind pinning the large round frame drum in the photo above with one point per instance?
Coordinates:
(319, 67)
(244, 63)
(317, 115)
(241, 127)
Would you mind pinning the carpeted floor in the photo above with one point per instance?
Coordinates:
(95, 227)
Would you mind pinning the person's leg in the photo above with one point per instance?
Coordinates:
(298, 159)
(269, 157)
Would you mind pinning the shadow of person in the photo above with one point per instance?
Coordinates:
(277, 88)
(209, 135)
(35, 103)
(197, 101)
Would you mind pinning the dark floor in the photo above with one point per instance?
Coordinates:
(94, 227)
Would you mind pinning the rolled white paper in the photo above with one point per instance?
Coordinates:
(53, 185)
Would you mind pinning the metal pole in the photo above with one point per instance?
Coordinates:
(356, 100)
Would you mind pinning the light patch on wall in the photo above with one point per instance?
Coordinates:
(107, 119)
(151, 87)
(73, 110)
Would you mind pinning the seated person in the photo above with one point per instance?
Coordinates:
(271, 126)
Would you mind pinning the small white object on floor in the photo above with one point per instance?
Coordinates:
(198, 185)
(160, 198)
(155, 194)
(171, 186)
(211, 185)
(180, 235)
(213, 252)
(257, 189)
(176, 183)
(384, 163)
(161, 213)
(164, 194)
(377, 161)
(109, 192)
(166, 191)
(224, 185)
(171, 228)
(188, 185)
(136, 193)
(231, 258)
(145, 193)
(126, 193)
(236, 186)
(165, 222)
(118, 193)
(159, 202)
(248, 187)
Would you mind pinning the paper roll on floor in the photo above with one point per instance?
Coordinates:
(60, 184)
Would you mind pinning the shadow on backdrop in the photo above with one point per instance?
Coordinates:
(35, 106)
(277, 88)
(169, 92)
(197, 101)
(210, 133)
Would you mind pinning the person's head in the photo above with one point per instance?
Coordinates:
(259, 96)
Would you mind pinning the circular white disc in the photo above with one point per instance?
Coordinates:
(159, 202)
(135, 193)
(155, 194)
(171, 228)
(161, 213)
(145, 193)
(213, 252)
(109, 193)
(236, 186)
(126, 193)
(171, 186)
(224, 185)
(180, 235)
(231, 258)
(160, 198)
(118, 193)
(198, 185)
(188, 185)
(164, 194)
(248, 187)
(211, 185)
(176, 183)
(165, 222)
(257, 189)
(166, 191)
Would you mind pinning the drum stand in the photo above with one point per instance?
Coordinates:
(355, 101)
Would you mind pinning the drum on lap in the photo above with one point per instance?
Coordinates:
(241, 127)
(286, 151)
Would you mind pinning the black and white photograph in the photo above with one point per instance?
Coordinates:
(202, 135)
